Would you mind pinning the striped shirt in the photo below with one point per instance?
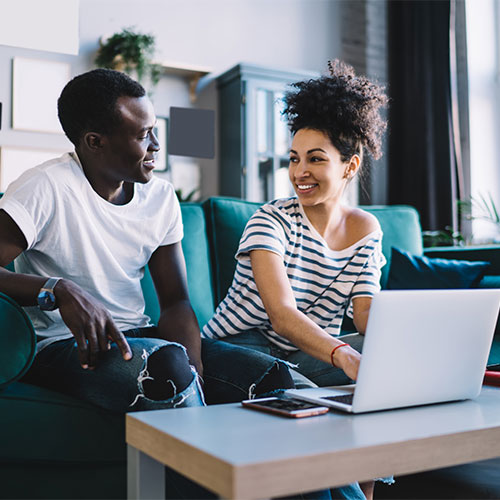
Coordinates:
(323, 281)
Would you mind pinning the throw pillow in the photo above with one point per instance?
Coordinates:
(411, 272)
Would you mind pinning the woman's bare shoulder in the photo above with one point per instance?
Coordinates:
(360, 223)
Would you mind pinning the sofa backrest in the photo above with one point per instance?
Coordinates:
(227, 217)
(401, 228)
(198, 264)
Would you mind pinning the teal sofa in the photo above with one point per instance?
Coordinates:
(53, 446)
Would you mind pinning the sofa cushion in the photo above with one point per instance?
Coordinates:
(418, 272)
(197, 256)
(17, 341)
(226, 220)
(485, 253)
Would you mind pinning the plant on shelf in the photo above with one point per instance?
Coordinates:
(480, 208)
(131, 52)
(443, 237)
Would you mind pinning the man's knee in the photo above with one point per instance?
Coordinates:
(168, 373)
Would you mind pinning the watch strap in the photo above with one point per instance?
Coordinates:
(50, 284)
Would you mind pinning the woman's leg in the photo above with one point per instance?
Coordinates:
(367, 488)
(262, 352)
(232, 373)
(255, 340)
(324, 374)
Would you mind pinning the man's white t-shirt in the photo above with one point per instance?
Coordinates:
(73, 233)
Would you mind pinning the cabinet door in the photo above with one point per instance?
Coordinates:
(267, 142)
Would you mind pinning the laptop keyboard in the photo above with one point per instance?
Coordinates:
(343, 398)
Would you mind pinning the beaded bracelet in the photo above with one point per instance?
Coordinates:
(333, 351)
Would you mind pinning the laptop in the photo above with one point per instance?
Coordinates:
(420, 347)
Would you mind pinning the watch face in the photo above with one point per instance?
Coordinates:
(46, 300)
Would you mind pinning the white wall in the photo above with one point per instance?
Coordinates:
(289, 34)
(219, 33)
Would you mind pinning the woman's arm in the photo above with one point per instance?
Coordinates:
(278, 299)
(361, 310)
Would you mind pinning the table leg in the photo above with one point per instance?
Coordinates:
(145, 476)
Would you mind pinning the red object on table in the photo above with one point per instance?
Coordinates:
(491, 378)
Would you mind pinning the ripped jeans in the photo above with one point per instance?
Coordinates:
(231, 373)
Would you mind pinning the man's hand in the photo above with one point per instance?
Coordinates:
(348, 359)
(89, 322)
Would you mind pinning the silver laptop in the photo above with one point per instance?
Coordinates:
(420, 347)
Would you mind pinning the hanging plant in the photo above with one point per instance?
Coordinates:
(132, 53)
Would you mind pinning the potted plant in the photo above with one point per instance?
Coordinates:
(131, 52)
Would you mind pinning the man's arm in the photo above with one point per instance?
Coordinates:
(177, 322)
(22, 288)
(87, 319)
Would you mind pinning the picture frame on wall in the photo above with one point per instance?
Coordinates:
(161, 132)
(36, 86)
(15, 160)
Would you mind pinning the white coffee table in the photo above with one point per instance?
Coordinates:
(241, 453)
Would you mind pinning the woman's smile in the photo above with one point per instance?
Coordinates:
(305, 188)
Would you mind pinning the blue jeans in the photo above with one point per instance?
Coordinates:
(307, 371)
(231, 373)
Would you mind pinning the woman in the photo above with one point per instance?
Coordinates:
(305, 261)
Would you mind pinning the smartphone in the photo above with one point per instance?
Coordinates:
(285, 407)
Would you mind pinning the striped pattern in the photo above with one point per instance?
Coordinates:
(323, 281)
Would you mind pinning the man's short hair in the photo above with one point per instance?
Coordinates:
(88, 102)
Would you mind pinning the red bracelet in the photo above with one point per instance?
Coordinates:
(333, 352)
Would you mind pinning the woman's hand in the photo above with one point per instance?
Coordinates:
(348, 360)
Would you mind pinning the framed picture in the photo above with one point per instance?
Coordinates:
(36, 86)
(161, 132)
(16, 160)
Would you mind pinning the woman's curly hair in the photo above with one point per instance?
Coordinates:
(344, 106)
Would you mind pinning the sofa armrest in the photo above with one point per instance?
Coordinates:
(488, 253)
(17, 341)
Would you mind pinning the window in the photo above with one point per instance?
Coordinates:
(483, 52)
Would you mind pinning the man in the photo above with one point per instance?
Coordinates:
(81, 229)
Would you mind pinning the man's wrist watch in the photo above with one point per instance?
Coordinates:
(46, 297)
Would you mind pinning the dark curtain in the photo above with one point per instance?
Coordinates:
(422, 160)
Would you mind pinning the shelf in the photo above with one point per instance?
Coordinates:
(190, 72)
(186, 70)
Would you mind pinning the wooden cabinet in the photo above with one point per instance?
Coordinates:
(254, 137)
